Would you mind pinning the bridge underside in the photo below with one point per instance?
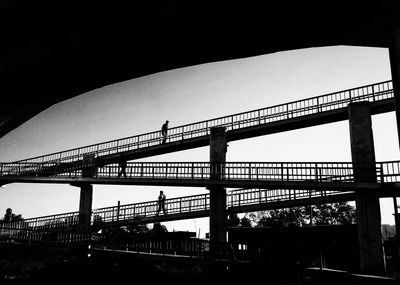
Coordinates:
(385, 189)
(82, 46)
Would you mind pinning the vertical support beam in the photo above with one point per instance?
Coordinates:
(394, 56)
(85, 207)
(367, 203)
(397, 236)
(396, 216)
(218, 147)
(86, 195)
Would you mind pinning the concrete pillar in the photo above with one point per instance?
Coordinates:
(86, 195)
(367, 203)
(218, 147)
(394, 56)
(85, 207)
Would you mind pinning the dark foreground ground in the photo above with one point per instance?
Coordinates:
(28, 264)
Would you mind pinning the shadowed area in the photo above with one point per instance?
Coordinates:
(53, 51)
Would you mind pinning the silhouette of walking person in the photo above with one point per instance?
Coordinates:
(164, 131)
(122, 165)
(161, 203)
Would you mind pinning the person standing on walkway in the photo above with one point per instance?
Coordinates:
(122, 165)
(161, 203)
(164, 131)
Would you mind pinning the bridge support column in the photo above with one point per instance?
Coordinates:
(367, 203)
(394, 55)
(85, 207)
(218, 147)
(86, 196)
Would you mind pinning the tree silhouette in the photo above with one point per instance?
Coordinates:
(335, 213)
(158, 228)
(235, 221)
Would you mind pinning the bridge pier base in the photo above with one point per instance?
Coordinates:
(218, 215)
(367, 203)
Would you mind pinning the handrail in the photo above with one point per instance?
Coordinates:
(179, 205)
(276, 171)
(318, 104)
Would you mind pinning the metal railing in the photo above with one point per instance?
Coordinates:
(314, 105)
(192, 247)
(276, 171)
(136, 211)
(257, 171)
(8, 233)
(386, 172)
(189, 247)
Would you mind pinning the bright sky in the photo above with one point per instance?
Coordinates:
(194, 94)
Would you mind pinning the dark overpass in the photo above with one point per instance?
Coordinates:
(54, 50)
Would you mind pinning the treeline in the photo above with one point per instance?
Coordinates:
(326, 214)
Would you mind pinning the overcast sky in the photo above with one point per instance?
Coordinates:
(193, 94)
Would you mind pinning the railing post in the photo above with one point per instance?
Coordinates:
(373, 93)
(118, 209)
(381, 173)
(287, 111)
(287, 173)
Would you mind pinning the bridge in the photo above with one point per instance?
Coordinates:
(309, 112)
(270, 175)
(263, 183)
(186, 207)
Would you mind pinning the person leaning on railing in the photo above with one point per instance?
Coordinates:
(10, 217)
